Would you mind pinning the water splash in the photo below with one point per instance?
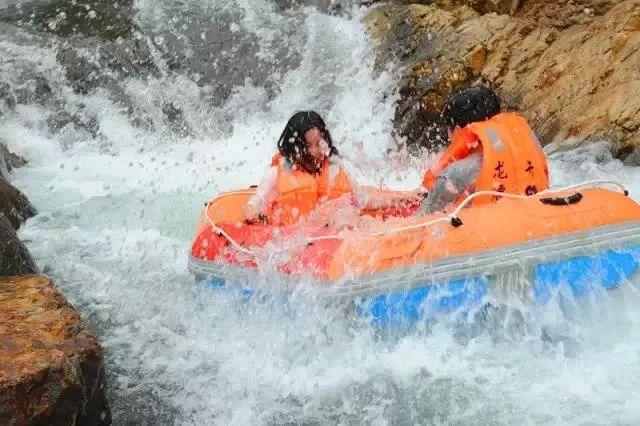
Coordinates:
(119, 199)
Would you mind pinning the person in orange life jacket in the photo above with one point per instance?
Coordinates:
(489, 151)
(305, 173)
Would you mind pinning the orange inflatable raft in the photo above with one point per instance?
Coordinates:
(409, 268)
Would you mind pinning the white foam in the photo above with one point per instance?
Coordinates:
(117, 214)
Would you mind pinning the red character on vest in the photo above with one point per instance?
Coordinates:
(489, 151)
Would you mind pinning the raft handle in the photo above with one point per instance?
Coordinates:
(562, 201)
(456, 222)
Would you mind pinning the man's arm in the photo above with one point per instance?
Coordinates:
(451, 183)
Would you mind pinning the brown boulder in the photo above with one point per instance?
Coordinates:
(51, 369)
(585, 82)
(485, 6)
(572, 68)
(482, 6)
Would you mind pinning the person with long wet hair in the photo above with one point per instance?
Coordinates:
(305, 173)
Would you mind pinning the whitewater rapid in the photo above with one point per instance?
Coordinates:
(117, 212)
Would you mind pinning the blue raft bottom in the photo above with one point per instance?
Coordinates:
(578, 276)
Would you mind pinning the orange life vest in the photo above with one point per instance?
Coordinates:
(300, 192)
(512, 157)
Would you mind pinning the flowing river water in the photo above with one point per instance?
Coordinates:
(119, 190)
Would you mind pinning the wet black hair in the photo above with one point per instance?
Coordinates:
(469, 104)
(292, 144)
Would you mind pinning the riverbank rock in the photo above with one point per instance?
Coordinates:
(7, 98)
(10, 160)
(51, 369)
(15, 208)
(14, 205)
(14, 256)
(572, 68)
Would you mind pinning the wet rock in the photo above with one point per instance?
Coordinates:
(107, 19)
(14, 257)
(7, 98)
(481, 6)
(14, 206)
(105, 45)
(562, 15)
(498, 6)
(128, 58)
(104, 68)
(86, 72)
(210, 47)
(417, 37)
(327, 6)
(175, 116)
(630, 156)
(80, 119)
(51, 365)
(569, 67)
(83, 75)
(34, 88)
(107, 49)
(26, 82)
(9, 160)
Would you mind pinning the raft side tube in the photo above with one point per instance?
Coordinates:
(604, 257)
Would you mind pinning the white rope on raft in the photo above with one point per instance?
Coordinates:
(233, 242)
(447, 218)
(222, 232)
(454, 214)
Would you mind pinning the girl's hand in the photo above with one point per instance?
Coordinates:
(252, 213)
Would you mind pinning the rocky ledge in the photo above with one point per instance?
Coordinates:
(51, 369)
(15, 208)
(571, 67)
